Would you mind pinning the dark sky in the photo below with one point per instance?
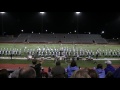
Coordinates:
(61, 22)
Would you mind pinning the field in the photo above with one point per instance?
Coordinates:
(89, 47)
(89, 64)
(58, 46)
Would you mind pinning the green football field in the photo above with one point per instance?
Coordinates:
(77, 46)
(92, 47)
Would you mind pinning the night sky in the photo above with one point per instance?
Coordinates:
(61, 22)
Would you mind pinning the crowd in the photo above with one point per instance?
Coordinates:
(35, 70)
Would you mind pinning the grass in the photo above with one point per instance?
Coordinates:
(89, 64)
(92, 47)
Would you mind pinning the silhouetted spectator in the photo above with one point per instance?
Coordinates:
(37, 67)
(81, 73)
(27, 72)
(14, 74)
(73, 67)
(44, 74)
(109, 67)
(100, 71)
(58, 71)
(4, 73)
(92, 73)
(109, 75)
(116, 74)
(49, 72)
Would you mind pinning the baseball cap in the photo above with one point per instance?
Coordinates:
(108, 62)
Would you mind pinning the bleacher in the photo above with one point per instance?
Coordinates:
(56, 38)
(7, 39)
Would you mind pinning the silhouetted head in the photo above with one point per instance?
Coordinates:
(27, 72)
(58, 63)
(73, 63)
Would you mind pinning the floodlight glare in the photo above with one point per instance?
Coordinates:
(42, 12)
(2, 12)
(21, 30)
(77, 12)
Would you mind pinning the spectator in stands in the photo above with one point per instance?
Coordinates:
(100, 71)
(80, 74)
(92, 73)
(58, 71)
(109, 75)
(4, 73)
(37, 67)
(109, 67)
(27, 72)
(73, 67)
(116, 74)
(14, 74)
(49, 72)
(44, 74)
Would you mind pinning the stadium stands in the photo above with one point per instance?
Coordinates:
(57, 38)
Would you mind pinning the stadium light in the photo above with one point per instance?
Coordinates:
(22, 30)
(77, 13)
(2, 12)
(32, 31)
(2, 22)
(103, 32)
(42, 12)
(75, 31)
(46, 30)
(39, 33)
(42, 20)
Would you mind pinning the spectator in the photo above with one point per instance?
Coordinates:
(14, 74)
(109, 75)
(4, 73)
(37, 67)
(81, 73)
(58, 71)
(100, 71)
(109, 67)
(49, 72)
(27, 72)
(92, 73)
(116, 74)
(44, 74)
(73, 67)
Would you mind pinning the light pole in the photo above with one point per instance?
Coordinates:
(42, 13)
(77, 13)
(2, 22)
